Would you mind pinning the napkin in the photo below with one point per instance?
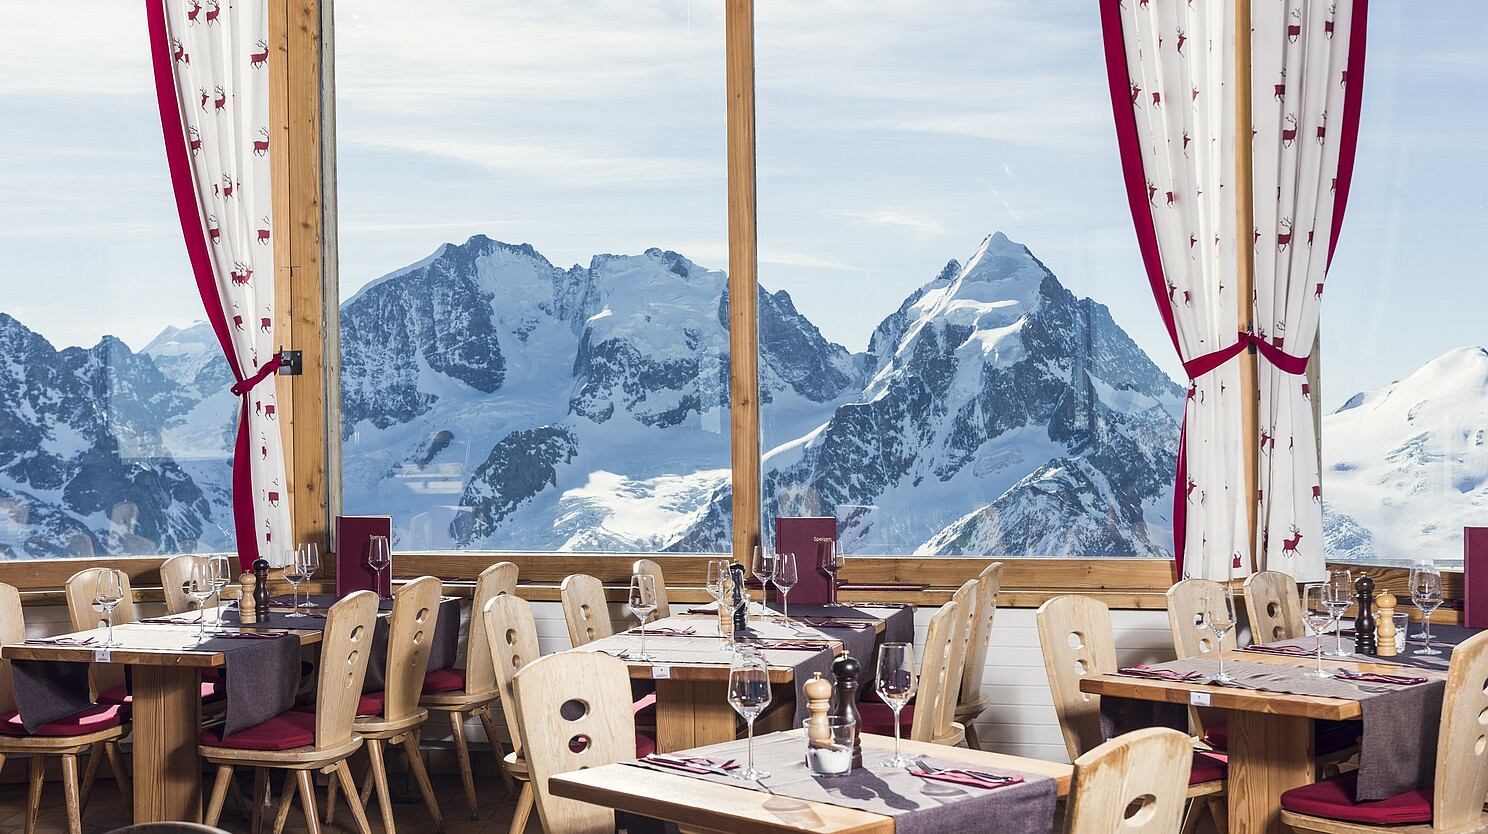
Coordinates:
(666, 631)
(788, 645)
(691, 764)
(1290, 650)
(968, 778)
(1377, 677)
(63, 641)
(818, 622)
(1161, 674)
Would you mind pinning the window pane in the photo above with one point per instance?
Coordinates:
(116, 422)
(543, 363)
(943, 222)
(1404, 369)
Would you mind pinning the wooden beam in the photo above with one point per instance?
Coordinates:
(743, 279)
(1245, 267)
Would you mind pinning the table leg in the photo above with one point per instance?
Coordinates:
(1269, 754)
(167, 718)
(691, 714)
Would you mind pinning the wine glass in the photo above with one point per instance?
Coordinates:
(896, 685)
(1420, 563)
(199, 588)
(219, 566)
(1426, 593)
(1318, 613)
(1219, 616)
(379, 558)
(717, 579)
(832, 561)
(312, 566)
(1340, 596)
(294, 574)
(107, 594)
(749, 694)
(764, 570)
(642, 603)
(786, 576)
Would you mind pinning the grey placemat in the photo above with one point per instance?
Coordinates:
(442, 652)
(1397, 750)
(46, 690)
(918, 805)
(1444, 637)
(261, 676)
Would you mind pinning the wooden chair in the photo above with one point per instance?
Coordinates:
(1078, 640)
(653, 570)
(1273, 607)
(1455, 803)
(971, 703)
(573, 712)
(928, 718)
(393, 717)
(947, 730)
(585, 609)
(97, 729)
(1134, 784)
(304, 743)
(174, 573)
(81, 589)
(511, 636)
(462, 693)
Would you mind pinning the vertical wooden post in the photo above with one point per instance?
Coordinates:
(743, 265)
(1245, 267)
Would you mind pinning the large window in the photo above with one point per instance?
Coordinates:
(115, 418)
(543, 363)
(1404, 365)
(959, 355)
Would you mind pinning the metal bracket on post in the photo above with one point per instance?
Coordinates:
(291, 363)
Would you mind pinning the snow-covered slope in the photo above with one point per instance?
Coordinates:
(1405, 467)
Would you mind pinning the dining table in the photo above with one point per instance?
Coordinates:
(874, 800)
(1270, 737)
(691, 656)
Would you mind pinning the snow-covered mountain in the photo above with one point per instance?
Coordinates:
(1405, 467)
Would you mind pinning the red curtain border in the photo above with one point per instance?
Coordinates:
(193, 231)
(1353, 99)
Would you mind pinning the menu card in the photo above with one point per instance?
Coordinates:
(807, 539)
(1475, 576)
(352, 573)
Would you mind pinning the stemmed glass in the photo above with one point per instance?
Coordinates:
(199, 587)
(642, 603)
(379, 558)
(733, 600)
(749, 694)
(1318, 613)
(219, 567)
(785, 579)
(311, 564)
(107, 594)
(764, 571)
(1340, 597)
(1420, 563)
(294, 574)
(1219, 616)
(832, 561)
(1426, 593)
(896, 685)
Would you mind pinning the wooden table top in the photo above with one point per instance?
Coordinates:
(1251, 700)
(142, 644)
(700, 803)
(709, 662)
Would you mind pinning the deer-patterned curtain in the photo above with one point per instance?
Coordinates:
(1171, 68)
(212, 79)
(1307, 61)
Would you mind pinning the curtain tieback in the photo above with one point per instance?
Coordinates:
(1280, 359)
(266, 370)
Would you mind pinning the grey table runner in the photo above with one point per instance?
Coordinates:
(1397, 751)
(442, 653)
(46, 690)
(918, 805)
(1444, 637)
(898, 619)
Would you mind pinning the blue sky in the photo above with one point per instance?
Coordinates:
(892, 137)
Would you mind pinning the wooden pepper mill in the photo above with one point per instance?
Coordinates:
(818, 703)
(845, 671)
(1385, 633)
(247, 603)
(1364, 627)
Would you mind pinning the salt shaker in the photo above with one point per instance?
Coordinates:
(247, 603)
(818, 703)
(1385, 617)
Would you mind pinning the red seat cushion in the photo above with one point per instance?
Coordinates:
(1334, 799)
(645, 706)
(645, 745)
(1207, 767)
(1328, 736)
(444, 680)
(210, 691)
(878, 718)
(370, 703)
(91, 720)
(282, 732)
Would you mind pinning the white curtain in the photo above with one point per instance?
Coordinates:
(1178, 74)
(1305, 123)
(212, 78)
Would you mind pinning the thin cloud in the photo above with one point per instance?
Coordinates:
(915, 225)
